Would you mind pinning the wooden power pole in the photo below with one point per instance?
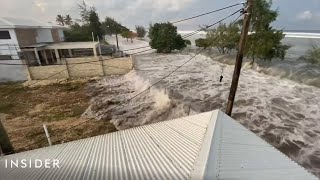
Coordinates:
(238, 64)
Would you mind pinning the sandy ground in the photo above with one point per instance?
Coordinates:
(59, 104)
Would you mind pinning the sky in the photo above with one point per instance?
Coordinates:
(293, 14)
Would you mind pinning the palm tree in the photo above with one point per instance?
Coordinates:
(68, 20)
(60, 20)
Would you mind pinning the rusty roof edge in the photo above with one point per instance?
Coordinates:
(200, 164)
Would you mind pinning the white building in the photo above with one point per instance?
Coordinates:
(19, 33)
(38, 43)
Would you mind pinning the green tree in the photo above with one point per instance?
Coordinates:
(85, 12)
(187, 41)
(95, 24)
(90, 23)
(224, 38)
(125, 34)
(264, 42)
(201, 42)
(141, 31)
(68, 20)
(164, 38)
(111, 26)
(77, 33)
(60, 20)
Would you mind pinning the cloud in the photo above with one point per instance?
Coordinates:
(306, 15)
(41, 4)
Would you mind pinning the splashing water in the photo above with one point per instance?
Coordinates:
(273, 100)
(283, 112)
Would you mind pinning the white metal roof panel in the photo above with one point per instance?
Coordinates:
(205, 146)
(237, 153)
(165, 150)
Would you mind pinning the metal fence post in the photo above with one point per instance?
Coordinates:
(47, 134)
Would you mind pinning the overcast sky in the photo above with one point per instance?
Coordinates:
(294, 14)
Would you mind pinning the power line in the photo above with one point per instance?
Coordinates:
(74, 64)
(175, 70)
(210, 12)
(184, 36)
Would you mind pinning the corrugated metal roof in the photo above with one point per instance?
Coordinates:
(165, 150)
(237, 153)
(195, 147)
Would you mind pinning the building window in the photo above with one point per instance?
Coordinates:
(5, 57)
(5, 35)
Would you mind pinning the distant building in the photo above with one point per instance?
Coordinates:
(37, 42)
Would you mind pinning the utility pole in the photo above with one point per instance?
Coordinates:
(99, 45)
(238, 64)
(5, 145)
(117, 42)
(92, 36)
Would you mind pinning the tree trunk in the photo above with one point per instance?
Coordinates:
(252, 62)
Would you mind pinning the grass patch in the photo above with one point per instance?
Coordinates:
(6, 108)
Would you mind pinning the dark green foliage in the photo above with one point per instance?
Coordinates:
(85, 12)
(141, 31)
(125, 34)
(94, 24)
(187, 41)
(60, 20)
(265, 42)
(111, 26)
(164, 38)
(91, 23)
(77, 33)
(202, 43)
(224, 38)
(68, 20)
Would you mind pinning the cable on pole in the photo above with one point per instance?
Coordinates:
(210, 12)
(175, 70)
(169, 74)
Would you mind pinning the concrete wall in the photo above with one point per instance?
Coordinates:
(44, 35)
(26, 37)
(84, 70)
(56, 35)
(12, 72)
(48, 72)
(116, 66)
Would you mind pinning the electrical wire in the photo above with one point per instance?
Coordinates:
(169, 74)
(164, 77)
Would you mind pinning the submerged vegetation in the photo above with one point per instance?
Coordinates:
(313, 55)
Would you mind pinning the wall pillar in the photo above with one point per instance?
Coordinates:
(26, 66)
(95, 51)
(70, 53)
(56, 51)
(37, 56)
(45, 56)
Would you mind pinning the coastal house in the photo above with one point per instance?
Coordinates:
(37, 42)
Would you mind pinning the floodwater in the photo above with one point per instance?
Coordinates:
(279, 101)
